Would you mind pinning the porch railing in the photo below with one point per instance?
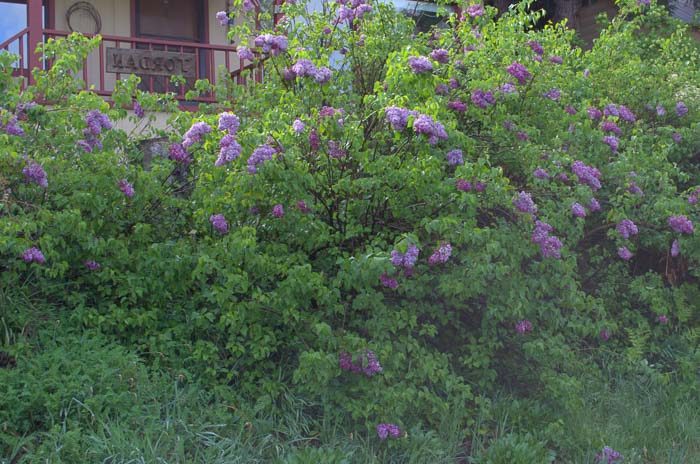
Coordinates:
(209, 61)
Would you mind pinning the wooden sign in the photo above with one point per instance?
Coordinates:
(150, 62)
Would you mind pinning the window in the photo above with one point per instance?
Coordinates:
(170, 19)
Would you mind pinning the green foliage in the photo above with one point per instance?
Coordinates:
(265, 309)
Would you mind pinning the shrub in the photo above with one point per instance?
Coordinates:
(328, 218)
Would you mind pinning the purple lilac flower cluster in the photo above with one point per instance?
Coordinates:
(587, 175)
(195, 133)
(612, 141)
(306, 68)
(624, 253)
(126, 188)
(536, 47)
(245, 53)
(457, 105)
(278, 211)
(259, 156)
(405, 260)
(619, 111)
(138, 110)
(626, 228)
(222, 17)
(335, 150)
(635, 189)
(34, 172)
(229, 122)
(524, 203)
(578, 210)
(96, 121)
(397, 117)
(440, 55)
(424, 124)
(604, 335)
(594, 113)
(523, 327)
(482, 99)
(368, 363)
(177, 153)
(388, 281)
(475, 10)
(508, 88)
(218, 221)
(519, 71)
(540, 173)
(594, 205)
(298, 126)
(92, 265)
(273, 44)
(556, 59)
(33, 255)
(662, 319)
(694, 197)
(420, 64)
(441, 255)
(609, 456)
(681, 224)
(13, 128)
(553, 94)
(550, 245)
(610, 126)
(352, 9)
(454, 157)
(681, 109)
(385, 431)
(675, 248)
(229, 150)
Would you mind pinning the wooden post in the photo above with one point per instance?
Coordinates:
(36, 34)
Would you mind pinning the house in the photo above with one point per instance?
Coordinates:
(153, 39)
(156, 39)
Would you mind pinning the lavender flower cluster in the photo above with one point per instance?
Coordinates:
(587, 175)
(550, 245)
(33, 255)
(626, 228)
(519, 72)
(34, 172)
(454, 157)
(609, 456)
(523, 327)
(349, 10)
(261, 154)
(96, 121)
(229, 148)
(424, 124)
(482, 98)
(306, 68)
(195, 134)
(368, 364)
(126, 188)
(681, 224)
(420, 64)
(177, 153)
(218, 221)
(441, 255)
(524, 203)
(12, 127)
(385, 431)
(273, 44)
(405, 260)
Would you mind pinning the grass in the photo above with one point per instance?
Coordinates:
(76, 397)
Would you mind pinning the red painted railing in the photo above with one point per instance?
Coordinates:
(209, 60)
(17, 44)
